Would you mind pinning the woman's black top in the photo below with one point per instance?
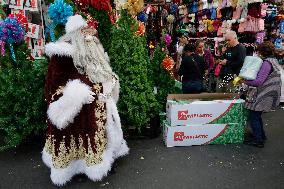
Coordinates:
(192, 68)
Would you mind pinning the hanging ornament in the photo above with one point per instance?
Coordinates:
(134, 6)
(21, 19)
(167, 39)
(173, 8)
(59, 11)
(170, 20)
(141, 29)
(11, 31)
(83, 5)
(142, 16)
(168, 64)
(101, 5)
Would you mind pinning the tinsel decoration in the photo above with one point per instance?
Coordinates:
(134, 6)
(101, 5)
(50, 28)
(168, 64)
(82, 4)
(142, 16)
(173, 8)
(167, 39)
(59, 11)
(141, 29)
(21, 19)
(170, 20)
(11, 31)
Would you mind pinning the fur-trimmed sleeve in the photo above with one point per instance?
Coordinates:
(64, 92)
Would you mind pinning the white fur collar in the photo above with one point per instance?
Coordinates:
(59, 48)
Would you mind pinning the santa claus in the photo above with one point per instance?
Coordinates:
(84, 130)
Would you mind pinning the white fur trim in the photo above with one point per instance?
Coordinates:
(74, 23)
(63, 111)
(241, 20)
(116, 147)
(60, 49)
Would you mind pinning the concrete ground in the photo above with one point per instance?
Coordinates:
(150, 165)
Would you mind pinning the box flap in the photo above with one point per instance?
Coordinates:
(204, 96)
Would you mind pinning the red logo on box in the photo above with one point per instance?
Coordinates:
(182, 115)
(178, 136)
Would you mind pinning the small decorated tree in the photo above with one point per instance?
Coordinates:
(163, 81)
(130, 60)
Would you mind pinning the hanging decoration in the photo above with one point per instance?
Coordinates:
(134, 6)
(83, 5)
(101, 5)
(141, 29)
(21, 19)
(11, 31)
(170, 20)
(142, 16)
(167, 39)
(59, 11)
(168, 64)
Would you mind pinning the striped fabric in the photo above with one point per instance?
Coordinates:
(267, 96)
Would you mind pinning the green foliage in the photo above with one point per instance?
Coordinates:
(162, 79)
(104, 28)
(22, 110)
(130, 60)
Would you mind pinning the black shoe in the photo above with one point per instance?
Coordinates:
(258, 144)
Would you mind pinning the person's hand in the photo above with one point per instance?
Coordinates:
(223, 62)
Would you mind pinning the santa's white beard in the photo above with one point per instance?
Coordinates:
(90, 59)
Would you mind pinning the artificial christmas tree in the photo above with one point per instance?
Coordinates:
(130, 60)
(22, 110)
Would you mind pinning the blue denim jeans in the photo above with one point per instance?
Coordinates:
(192, 87)
(257, 126)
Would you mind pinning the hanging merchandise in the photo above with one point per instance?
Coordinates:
(168, 64)
(142, 16)
(101, 5)
(167, 39)
(11, 31)
(21, 19)
(16, 4)
(281, 26)
(141, 29)
(278, 43)
(134, 6)
(31, 5)
(170, 20)
(59, 11)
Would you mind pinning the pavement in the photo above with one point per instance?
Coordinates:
(150, 165)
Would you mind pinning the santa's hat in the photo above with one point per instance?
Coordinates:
(74, 23)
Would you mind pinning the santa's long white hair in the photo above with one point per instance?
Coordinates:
(89, 57)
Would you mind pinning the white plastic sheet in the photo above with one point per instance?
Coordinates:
(251, 67)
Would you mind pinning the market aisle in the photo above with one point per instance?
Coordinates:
(151, 165)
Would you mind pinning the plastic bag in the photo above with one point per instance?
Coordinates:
(251, 67)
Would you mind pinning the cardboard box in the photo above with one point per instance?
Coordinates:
(206, 108)
(190, 135)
